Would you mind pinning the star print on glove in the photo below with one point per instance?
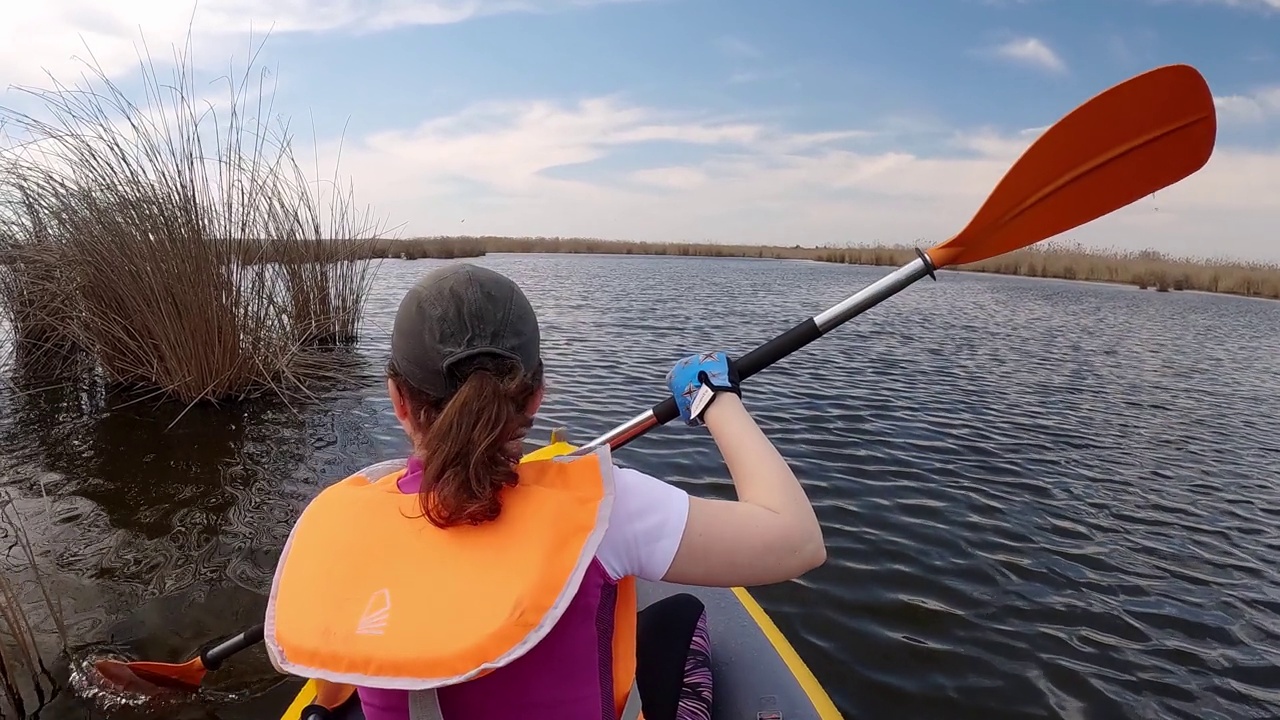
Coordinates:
(695, 380)
(690, 391)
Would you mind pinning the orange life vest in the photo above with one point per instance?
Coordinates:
(369, 593)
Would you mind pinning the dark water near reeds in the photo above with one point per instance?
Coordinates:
(1041, 499)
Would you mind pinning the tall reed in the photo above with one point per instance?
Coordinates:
(26, 684)
(125, 226)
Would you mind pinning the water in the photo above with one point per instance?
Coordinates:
(1041, 499)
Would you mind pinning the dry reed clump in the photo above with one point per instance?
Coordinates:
(35, 296)
(1144, 269)
(179, 249)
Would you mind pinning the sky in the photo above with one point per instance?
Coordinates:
(811, 122)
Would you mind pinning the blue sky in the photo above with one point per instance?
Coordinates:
(747, 121)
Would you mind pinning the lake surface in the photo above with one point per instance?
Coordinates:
(1041, 499)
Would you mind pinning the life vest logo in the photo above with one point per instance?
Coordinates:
(376, 614)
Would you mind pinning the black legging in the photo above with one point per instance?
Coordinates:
(673, 660)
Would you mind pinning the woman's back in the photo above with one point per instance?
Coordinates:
(514, 585)
(644, 527)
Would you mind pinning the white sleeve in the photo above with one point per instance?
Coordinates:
(645, 526)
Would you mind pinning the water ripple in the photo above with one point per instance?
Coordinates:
(1041, 499)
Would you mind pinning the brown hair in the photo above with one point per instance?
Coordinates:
(470, 442)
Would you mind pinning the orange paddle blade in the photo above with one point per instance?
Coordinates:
(141, 677)
(1125, 143)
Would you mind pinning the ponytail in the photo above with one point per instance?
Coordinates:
(469, 443)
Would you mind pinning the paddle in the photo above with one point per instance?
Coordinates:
(1124, 144)
(149, 677)
(132, 676)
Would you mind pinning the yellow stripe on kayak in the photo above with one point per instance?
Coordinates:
(812, 688)
(301, 700)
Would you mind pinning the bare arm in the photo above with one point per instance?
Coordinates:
(770, 534)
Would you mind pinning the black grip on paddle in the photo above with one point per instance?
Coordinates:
(213, 658)
(777, 348)
(666, 411)
(753, 362)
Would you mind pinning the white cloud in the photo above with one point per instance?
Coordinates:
(682, 178)
(1031, 51)
(989, 143)
(505, 169)
(1247, 4)
(504, 146)
(1256, 107)
(51, 34)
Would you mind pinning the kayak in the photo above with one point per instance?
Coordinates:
(757, 674)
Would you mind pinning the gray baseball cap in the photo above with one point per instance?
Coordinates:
(458, 311)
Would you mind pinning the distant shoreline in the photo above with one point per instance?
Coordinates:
(1145, 269)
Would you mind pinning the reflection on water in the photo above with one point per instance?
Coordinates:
(1041, 499)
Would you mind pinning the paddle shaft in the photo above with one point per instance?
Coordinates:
(779, 347)
(213, 658)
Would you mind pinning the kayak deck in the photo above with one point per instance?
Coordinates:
(756, 671)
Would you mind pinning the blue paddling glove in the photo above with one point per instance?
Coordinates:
(695, 380)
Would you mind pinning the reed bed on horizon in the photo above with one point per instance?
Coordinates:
(133, 237)
(1054, 259)
(1144, 268)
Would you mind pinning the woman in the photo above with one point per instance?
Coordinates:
(464, 585)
